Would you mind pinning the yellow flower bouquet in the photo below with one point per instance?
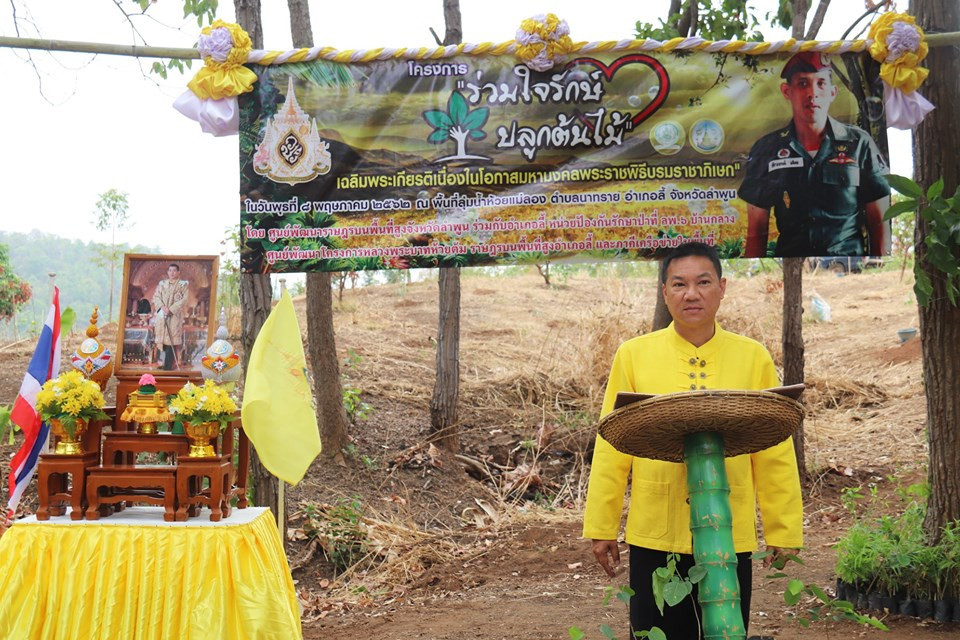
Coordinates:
(204, 411)
(68, 402)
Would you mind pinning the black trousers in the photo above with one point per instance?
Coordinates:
(679, 622)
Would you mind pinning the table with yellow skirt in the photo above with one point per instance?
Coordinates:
(132, 576)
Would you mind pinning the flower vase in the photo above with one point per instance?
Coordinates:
(200, 436)
(69, 444)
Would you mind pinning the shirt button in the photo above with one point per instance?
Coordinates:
(703, 363)
(702, 387)
(693, 387)
(703, 374)
(693, 361)
(692, 375)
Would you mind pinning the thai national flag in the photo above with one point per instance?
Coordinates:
(44, 365)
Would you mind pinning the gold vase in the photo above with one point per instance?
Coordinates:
(68, 444)
(200, 436)
(147, 427)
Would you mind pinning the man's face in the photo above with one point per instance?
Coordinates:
(693, 291)
(173, 272)
(810, 96)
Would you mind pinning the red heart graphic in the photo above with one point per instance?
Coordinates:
(619, 63)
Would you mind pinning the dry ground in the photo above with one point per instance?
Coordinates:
(487, 546)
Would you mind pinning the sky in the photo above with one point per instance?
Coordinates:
(76, 125)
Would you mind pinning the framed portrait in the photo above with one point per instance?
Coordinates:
(167, 313)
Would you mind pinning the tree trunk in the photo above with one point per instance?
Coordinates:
(300, 23)
(792, 328)
(817, 21)
(451, 19)
(255, 304)
(792, 337)
(322, 347)
(443, 404)
(321, 338)
(256, 294)
(661, 315)
(934, 156)
(248, 17)
(800, 9)
(446, 390)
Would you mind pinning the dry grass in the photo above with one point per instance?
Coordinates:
(536, 359)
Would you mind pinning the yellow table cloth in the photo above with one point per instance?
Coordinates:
(132, 576)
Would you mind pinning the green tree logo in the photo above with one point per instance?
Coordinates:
(457, 123)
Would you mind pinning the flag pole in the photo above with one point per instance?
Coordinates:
(281, 493)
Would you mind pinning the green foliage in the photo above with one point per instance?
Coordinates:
(228, 281)
(14, 292)
(942, 242)
(202, 10)
(353, 404)
(67, 319)
(33, 255)
(339, 529)
(6, 423)
(162, 68)
(891, 553)
(825, 607)
(718, 20)
(623, 594)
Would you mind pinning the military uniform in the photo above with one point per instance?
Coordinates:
(818, 202)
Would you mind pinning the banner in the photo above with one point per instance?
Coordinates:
(480, 160)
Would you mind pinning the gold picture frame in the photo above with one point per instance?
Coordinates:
(167, 314)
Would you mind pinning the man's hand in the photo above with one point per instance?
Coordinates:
(607, 553)
(775, 553)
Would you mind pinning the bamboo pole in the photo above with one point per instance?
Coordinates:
(99, 47)
(933, 40)
(711, 525)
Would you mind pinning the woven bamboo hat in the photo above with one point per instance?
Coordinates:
(749, 421)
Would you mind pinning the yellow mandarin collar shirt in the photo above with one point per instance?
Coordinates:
(659, 514)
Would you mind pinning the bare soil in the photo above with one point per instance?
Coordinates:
(487, 545)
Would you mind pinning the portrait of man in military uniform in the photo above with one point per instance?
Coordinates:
(168, 301)
(823, 179)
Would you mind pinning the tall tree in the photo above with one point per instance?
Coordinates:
(111, 213)
(935, 143)
(256, 294)
(446, 389)
(321, 342)
(14, 292)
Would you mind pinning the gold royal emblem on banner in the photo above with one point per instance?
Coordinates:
(292, 150)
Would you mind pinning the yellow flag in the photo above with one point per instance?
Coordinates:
(277, 411)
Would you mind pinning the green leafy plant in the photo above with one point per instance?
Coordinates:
(353, 404)
(623, 593)
(670, 587)
(339, 529)
(824, 607)
(942, 215)
(7, 424)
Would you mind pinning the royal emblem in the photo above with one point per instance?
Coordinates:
(783, 153)
(292, 150)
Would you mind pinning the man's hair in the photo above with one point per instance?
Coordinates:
(174, 265)
(688, 249)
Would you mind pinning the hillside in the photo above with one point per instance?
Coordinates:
(487, 545)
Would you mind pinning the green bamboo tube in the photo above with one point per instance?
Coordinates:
(711, 524)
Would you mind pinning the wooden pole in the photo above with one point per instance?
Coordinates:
(933, 40)
(99, 47)
(281, 497)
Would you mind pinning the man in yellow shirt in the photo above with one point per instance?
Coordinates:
(692, 353)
